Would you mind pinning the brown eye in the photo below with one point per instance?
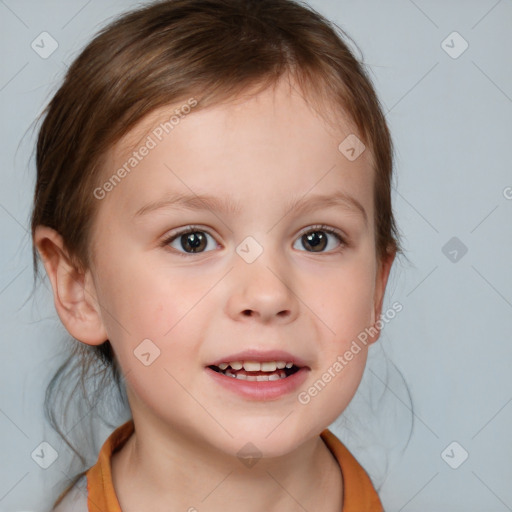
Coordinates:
(189, 242)
(317, 239)
(196, 241)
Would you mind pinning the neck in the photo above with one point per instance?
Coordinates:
(156, 472)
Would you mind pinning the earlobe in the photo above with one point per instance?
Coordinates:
(380, 289)
(73, 291)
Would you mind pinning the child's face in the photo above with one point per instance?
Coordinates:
(200, 307)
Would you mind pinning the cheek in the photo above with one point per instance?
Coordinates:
(349, 301)
(144, 299)
(149, 302)
(336, 382)
(344, 299)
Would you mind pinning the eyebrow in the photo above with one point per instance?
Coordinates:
(304, 204)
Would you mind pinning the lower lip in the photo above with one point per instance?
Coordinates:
(261, 390)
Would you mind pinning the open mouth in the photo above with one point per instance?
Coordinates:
(250, 371)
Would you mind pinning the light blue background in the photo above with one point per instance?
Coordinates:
(451, 120)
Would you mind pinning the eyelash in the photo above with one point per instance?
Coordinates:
(310, 229)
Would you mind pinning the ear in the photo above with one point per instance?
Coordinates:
(380, 289)
(73, 289)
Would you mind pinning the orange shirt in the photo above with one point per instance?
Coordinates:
(359, 494)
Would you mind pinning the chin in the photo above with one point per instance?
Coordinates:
(268, 439)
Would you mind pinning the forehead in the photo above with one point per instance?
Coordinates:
(285, 98)
(275, 136)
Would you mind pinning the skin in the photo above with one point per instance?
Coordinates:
(262, 151)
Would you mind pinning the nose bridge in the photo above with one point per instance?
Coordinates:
(261, 282)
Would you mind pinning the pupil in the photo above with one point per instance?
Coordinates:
(316, 239)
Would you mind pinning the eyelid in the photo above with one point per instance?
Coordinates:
(323, 227)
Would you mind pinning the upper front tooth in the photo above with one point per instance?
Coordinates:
(252, 366)
(255, 366)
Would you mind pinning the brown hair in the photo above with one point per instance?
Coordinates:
(161, 54)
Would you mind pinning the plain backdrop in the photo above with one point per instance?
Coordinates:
(443, 72)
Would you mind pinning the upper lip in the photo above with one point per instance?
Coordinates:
(261, 356)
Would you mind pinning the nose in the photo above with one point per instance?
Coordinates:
(262, 290)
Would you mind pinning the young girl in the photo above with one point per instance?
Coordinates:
(213, 211)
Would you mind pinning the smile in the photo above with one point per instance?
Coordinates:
(256, 371)
(271, 381)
